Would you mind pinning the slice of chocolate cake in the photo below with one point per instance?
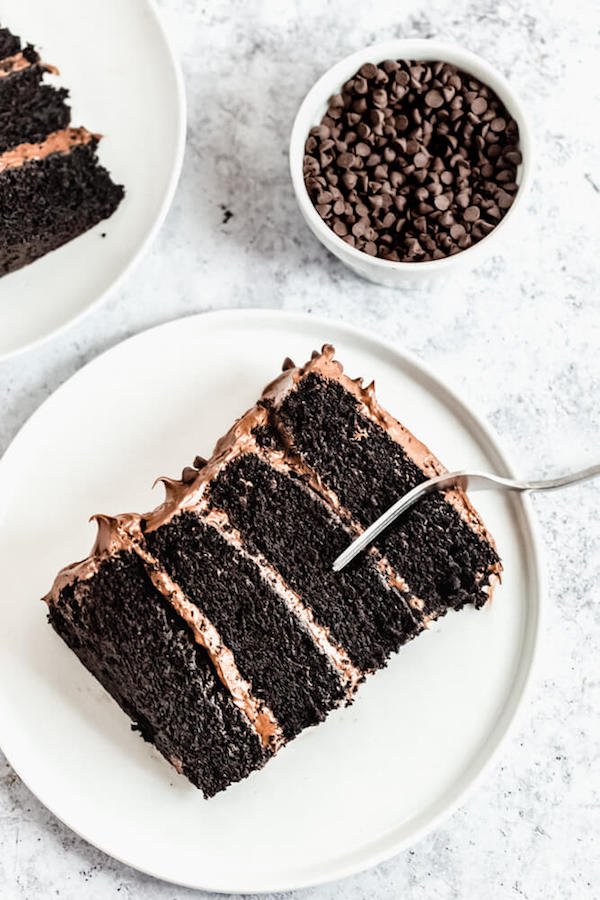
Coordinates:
(52, 187)
(216, 621)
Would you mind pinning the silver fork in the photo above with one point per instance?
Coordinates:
(474, 481)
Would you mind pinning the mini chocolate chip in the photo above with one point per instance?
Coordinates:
(471, 213)
(434, 99)
(504, 200)
(360, 228)
(324, 197)
(479, 106)
(368, 70)
(345, 160)
(514, 157)
(504, 175)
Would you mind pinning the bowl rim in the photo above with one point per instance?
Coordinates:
(427, 49)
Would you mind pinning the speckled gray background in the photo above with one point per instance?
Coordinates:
(519, 337)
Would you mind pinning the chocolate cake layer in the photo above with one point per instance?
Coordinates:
(272, 649)
(445, 560)
(31, 122)
(9, 43)
(293, 529)
(126, 634)
(45, 203)
(20, 78)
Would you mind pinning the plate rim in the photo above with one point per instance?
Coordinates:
(390, 844)
(176, 166)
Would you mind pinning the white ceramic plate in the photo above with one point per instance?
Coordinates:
(371, 780)
(124, 83)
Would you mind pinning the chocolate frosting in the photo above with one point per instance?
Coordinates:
(23, 60)
(58, 142)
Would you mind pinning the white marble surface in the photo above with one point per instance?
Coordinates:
(519, 337)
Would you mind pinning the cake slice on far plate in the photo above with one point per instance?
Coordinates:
(52, 187)
(216, 621)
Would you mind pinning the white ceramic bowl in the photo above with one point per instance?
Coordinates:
(314, 106)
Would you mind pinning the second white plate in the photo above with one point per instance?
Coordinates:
(125, 84)
(368, 782)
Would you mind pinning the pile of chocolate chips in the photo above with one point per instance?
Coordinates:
(413, 161)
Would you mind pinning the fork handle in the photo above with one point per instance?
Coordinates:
(564, 480)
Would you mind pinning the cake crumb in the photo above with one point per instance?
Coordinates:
(227, 214)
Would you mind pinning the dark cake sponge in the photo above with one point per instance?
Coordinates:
(10, 44)
(296, 533)
(141, 652)
(434, 549)
(47, 203)
(31, 121)
(296, 682)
